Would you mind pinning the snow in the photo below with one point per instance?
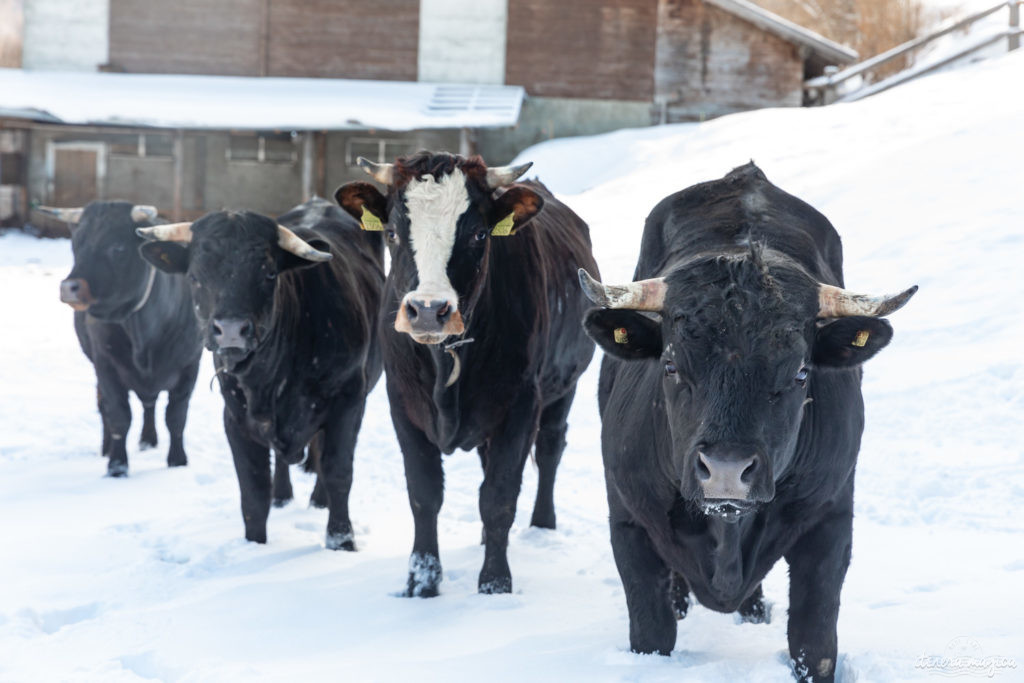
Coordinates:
(149, 577)
(235, 102)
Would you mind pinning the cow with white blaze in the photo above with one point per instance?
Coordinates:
(732, 412)
(480, 336)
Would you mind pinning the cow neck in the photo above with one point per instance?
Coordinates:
(149, 290)
(145, 325)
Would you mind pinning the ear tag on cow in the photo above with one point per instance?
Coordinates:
(504, 226)
(370, 222)
(861, 339)
(621, 337)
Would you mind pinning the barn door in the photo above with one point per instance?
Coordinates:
(75, 177)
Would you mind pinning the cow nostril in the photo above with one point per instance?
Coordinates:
(749, 470)
(217, 329)
(73, 286)
(411, 311)
(703, 471)
(444, 311)
(245, 329)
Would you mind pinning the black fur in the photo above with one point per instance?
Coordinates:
(310, 360)
(521, 305)
(726, 364)
(155, 348)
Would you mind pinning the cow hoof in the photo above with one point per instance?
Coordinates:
(146, 444)
(117, 469)
(342, 541)
(281, 502)
(757, 612)
(495, 586)
(316, 502)
(424, 576)
(543, 521)
(176, 458)
(256, 536)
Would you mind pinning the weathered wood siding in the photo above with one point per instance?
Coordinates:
(709, 61)
(345, 38)
(298, 38)
(582, 48)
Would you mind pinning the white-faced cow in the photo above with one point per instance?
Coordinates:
(134, 323)
(289, 313)
(732, 412)
(481, 338)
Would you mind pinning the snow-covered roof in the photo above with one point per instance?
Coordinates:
(831, 51)
(232, 102)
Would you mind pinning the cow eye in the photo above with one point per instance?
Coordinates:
(670, 369)
(801, 376)
(271, 275)
(481, 235)
(391, 236)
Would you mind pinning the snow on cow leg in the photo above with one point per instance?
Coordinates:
(424, 576)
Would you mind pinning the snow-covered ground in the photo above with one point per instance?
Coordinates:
(148, 578)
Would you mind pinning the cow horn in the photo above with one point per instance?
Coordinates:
(66, 215)
(172, 232)
(836, 302)
(143, 212)
(382, 173)
(644, 295)
(497, 176)
(289, 241)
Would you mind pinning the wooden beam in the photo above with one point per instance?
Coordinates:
(177, 210)
(307, 166)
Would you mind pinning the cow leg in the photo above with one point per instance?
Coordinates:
(648, 586)
(318, 498)
(503, 478)
(424, 479)
(680, 596)
(755, 609)
(817, 568)
(282, 483)
(147, 439)
(549, 447)
(177, 411)
(105, 447)
(252, 466)
(117, 416)
(339, 446)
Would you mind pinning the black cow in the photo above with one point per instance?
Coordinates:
(732, 411)
(292, 336)
(481, 340)
(135, 324)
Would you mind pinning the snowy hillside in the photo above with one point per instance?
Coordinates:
(148, 578)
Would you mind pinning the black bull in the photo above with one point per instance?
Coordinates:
(134, 323)
(732, 412)
(289, 312)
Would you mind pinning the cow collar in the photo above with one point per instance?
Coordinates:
(149, 290)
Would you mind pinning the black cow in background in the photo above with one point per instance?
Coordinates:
(290, 315)
(732, 412)
(134, 323)
(481, 336)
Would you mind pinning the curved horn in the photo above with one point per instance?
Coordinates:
(836, 302)
(497, 176)
(143, 212)
(289, 241)
(172, 232)
(644, 295)
(66, 215)
(456, 369)
(382, 173)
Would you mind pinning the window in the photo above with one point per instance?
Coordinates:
(379, 150)
(274, 148)
(145, 145)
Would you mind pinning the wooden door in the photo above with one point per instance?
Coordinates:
(74, 177)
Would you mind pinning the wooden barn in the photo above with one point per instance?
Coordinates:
(274, 99)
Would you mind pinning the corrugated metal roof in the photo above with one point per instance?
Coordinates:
(230, 102)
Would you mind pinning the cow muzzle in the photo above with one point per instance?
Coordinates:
(428, 318)
(232, 336)
(733, 478)
(75, 293)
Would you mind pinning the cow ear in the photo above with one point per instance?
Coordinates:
(847, 342)
(169, 257)
(628, 335)
(514, 209)
(365, 203)
(286, 260)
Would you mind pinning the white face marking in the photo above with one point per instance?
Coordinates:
(434, 208)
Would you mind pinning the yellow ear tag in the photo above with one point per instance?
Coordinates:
(504, 226)
(861, 339)
(370, 222)
(620, 335)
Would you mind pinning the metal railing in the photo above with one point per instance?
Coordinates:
(824, 89)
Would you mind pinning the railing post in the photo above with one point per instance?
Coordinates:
(1014, 24)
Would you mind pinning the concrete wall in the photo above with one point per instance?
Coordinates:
(66, 35)
(462, 41)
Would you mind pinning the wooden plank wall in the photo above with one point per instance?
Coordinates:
(298, 38)
(706, 55)
(582, 48)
